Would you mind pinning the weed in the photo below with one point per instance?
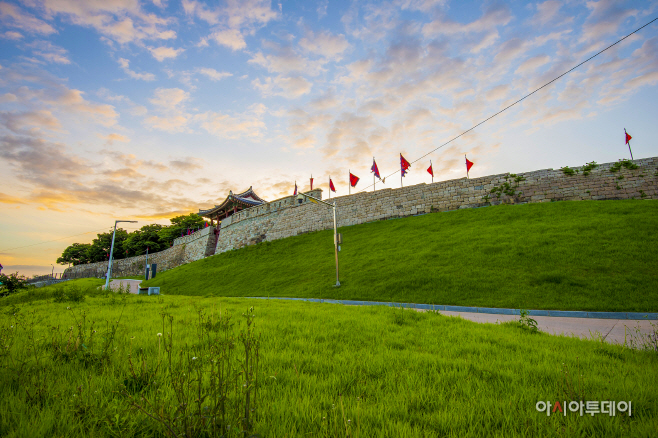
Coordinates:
(640, 341)
(642, 194)
(73, 293)
(526, 322)
(628, 164)
(618, 187)
(620, 177)
(589, 167)
(568, 171)
(572, 389)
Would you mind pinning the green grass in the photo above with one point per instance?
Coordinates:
(588, 255)
(391, 373)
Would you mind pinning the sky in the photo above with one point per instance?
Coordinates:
(145, 110)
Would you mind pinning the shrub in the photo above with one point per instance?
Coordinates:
(11, 283)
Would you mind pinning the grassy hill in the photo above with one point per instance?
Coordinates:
(588, 255)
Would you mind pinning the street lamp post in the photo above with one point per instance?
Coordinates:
(109, 265)
(52, 273)
(300, 197)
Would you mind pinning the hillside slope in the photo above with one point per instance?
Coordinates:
(587, 255)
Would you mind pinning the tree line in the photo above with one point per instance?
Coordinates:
(155, 237)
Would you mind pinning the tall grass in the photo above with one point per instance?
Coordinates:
(313, 370)
(589, 255)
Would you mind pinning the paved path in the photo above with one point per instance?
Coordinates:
(612, 330)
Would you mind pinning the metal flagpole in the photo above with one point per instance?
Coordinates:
(349, 185)
(329, 186)
(432, 172)
(373, 175)
(466, 166)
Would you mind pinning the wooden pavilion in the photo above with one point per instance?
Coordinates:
(232, 204)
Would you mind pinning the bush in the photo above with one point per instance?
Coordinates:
(73, 293)
(11, 283)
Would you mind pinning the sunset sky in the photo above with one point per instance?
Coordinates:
(144, 110)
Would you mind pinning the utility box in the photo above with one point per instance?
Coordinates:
(154, 291)
(154, 269)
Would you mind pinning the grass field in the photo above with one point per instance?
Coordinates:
(589, 255)
(75, 368)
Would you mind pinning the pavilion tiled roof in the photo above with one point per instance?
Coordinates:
(245, 199)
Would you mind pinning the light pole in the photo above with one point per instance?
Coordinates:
(109, 265)
(300, 198)
(53, 271)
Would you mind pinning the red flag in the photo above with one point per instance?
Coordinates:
(375, 169)
(331, 186)
(353, 179)
(206, 225)
(295, 194)
(404, 165)
(311, 182)
(469, 164)
(628, 137)
(430, 170)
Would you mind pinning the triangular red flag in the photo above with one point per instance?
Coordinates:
(331, 186)
(469, 164)
(404, 165)
(628, 137)
(430, 170)
(295, 194)
(311, 183)
(353, 179)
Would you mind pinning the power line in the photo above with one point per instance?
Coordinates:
(54, 240)
(523, 98)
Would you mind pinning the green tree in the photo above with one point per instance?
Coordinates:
(100, 247)
(180, 224)
(75, 254)
(11, 283)
(139, 240)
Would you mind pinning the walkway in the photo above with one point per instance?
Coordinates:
(614, 327)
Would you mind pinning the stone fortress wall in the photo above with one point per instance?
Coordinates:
(285, 217)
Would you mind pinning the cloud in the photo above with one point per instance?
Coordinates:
(170, 103)
(162, 53)
(8, 199)
(605, 18)
(532, 64)
(231, 38)
(13, 16)
(214, 74)
(125, 66)
(228, 127)
(186, 164)
(495, 15)
(324, 44)
(111, 138)
(120, 20)
(232, 21)
(11, 35)
(286, 61)
(37, 120)
(322, 8)
(289, 87)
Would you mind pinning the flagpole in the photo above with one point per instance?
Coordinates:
(629, 144)
(329, 186)
(349, 185)
(466, 166)
(373, 175)
(432, 172)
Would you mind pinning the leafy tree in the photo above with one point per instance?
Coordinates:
(11, 283)
(139, 240)
(75, 254)
(100, 247)
(180, 224)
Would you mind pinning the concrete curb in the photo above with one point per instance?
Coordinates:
(490, 310)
